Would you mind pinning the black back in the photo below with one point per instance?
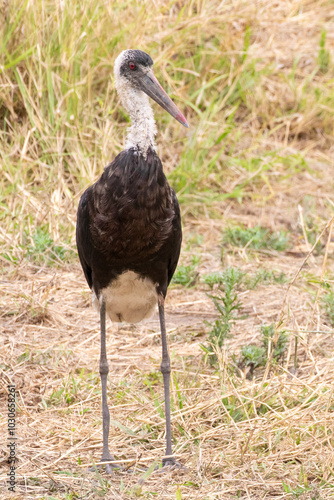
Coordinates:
(129, 220)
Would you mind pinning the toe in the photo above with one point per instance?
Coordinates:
(170, 463)
(109, 467)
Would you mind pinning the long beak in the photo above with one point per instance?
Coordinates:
(150, 85)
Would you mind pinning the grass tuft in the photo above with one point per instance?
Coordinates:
(43, 250)
(324, 57)
(328, 305)
(264, 277)
(256, 238)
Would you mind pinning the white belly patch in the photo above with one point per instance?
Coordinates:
(129, 298)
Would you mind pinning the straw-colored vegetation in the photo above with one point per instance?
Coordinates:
(251, 310)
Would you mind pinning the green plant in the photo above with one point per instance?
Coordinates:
(227, 303)
(42, 248)
(254, 356)
(312, 225)
(212, 279)
(193, 240)
(323, 54)
(328, 304)
(187, 275)
(279, 347)
(263, 276)
(256, 238)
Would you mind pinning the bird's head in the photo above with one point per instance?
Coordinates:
(133, 69)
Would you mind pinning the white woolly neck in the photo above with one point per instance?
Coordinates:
(143, 128)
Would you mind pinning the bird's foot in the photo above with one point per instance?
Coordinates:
(109, 467)
(170, 463)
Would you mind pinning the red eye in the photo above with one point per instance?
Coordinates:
(132, 65)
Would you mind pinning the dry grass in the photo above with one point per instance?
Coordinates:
(236, 436)
(257, 88)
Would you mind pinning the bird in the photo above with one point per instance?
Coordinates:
(128, 228)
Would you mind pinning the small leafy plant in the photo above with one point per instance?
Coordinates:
(187, 275)
(263, 276)
(279, 347)
(216, 278)
(43, 250)
(256, 238)
(323, 54)
(227, 304)
(254, 356)
(328, 304)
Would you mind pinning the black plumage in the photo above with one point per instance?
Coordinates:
(129, 226)
(129, 220)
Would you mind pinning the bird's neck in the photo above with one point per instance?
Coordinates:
(143, 129)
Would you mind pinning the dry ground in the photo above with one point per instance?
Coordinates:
(50, 340)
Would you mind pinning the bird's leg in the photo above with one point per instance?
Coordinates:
(165, 370)
(104, 370)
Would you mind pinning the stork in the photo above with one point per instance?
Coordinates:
(129, 227)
